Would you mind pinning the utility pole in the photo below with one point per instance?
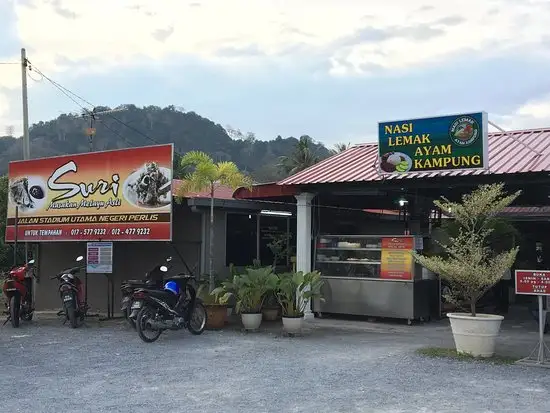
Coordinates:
(26, 139)
(94, 115)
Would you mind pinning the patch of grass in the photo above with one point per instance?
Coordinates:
(438, 352)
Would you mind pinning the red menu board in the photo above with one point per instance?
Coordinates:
(397, 261)
(532, 282)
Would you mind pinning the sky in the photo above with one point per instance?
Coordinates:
(331, 69)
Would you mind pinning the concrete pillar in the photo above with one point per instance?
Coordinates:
(303, 239)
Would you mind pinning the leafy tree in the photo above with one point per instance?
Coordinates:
(303, 156)
(4, 249)
(340, 147)
(468, 263)
(206, 174)
(140, 126)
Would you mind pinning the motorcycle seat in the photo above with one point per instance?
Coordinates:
(166, 296)
(135, 283)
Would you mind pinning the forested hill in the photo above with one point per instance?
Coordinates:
(150, 125)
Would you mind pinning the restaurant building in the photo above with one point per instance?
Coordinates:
(349, 212)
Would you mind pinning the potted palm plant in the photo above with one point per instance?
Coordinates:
(294, 292)
(216, 312)
(249, 290)
(203, 173)
(471, 267)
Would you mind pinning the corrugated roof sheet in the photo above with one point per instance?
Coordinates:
(507, 155)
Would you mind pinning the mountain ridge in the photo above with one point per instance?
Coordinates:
(149, 125)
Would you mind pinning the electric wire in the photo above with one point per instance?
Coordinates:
(73, 96)
(68, 92)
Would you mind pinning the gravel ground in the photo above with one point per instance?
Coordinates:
(46, 367)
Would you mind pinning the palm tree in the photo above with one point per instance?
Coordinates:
(340, 147)
(303, 156)
(205, 174)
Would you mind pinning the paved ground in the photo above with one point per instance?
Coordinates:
(360, 367)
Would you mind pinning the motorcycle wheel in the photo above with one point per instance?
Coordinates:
(27, 316)
(15, 307)
(71, 315)
(197, 320)
(142, 326)
(131, 321)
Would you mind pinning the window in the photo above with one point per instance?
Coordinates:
(273, 229)
(240, 238)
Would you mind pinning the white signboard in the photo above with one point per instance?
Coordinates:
(99, 257)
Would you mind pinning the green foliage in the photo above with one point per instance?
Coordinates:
(469, 264)
(296, 289)
(187, 130)
(5, 250)
(248, 289)
(439, 352)
(202, 173)
(280, 247)
(339, 148)
(203, 291)
(303, 156)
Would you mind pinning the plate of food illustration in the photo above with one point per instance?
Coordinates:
(395, 162)
(149, 187)
(28, 193)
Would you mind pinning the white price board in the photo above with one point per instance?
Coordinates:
(99, 257)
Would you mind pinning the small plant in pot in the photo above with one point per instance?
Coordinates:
(215, 310)
(249, 290)
(294, 292)
(471, 267)
(271, 307)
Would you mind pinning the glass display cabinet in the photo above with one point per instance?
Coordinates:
(374, 276)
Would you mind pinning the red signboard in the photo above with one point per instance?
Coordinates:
(397, 261)
(122, 195)
(532, 282)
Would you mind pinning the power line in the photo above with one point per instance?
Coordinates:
(73, 96)
(68, 92)
(10, 63)
(116, 133)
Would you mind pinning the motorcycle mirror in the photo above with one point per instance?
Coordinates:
(31, 262)
(79, 258)
(164, 268)
(168, 259)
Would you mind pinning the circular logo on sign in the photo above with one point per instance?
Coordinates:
(464, 131)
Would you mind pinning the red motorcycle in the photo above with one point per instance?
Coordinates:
(17, 289)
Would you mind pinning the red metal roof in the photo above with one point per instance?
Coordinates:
(268, 190)
(220, 192)
(506, 156)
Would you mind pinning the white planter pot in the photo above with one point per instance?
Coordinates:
(475, 335)
(251, 321)
(293, 325)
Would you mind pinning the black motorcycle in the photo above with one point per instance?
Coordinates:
(163, 310)
(154, 280)
(71, 293)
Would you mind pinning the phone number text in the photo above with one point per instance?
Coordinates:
(112, 232)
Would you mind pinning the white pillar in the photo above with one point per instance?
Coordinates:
(303, 239)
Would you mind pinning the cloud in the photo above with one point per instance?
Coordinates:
(62, 11)
(406, 32)
(162, 34)
(349, 40)
(534, 113)
(248, 51)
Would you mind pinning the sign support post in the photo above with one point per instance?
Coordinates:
(540, 356)
(536, 283)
